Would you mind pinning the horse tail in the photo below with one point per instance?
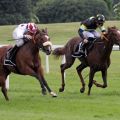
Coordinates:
(58, 52)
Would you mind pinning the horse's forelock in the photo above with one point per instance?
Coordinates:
(112, 28)
(44, 30)
(41, 33)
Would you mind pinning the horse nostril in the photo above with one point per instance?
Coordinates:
(48, 53)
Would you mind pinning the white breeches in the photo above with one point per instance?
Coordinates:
(19, 42)
(93, 34)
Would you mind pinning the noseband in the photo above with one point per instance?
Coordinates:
(44, 44)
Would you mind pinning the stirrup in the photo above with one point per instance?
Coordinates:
(78, 56)
(9, 62)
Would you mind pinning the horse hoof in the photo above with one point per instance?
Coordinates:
(61, 90)
(7, 99)
(82, 90)
(53, 94)
(88, 93)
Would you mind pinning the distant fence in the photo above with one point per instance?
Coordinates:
(115, 47)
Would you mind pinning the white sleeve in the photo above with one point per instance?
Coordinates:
(18, 33)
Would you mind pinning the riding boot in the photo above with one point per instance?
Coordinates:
(91, 39)
(10, 59)
(80, 50)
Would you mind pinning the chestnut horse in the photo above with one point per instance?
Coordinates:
(28, 61)
(98, 58)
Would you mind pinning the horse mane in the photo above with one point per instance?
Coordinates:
(111, 28)
(42, 31)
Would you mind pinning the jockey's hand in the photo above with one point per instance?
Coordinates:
(85, 41)
(103, 33)
(29, 37)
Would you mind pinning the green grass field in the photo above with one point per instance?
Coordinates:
(27, 102)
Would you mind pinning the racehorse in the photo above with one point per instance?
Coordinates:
(28, 61)
(98, 58)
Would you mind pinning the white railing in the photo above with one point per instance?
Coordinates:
(47, 58)
(116, 47)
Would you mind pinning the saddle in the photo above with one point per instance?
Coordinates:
(10, 56)
(82, 50)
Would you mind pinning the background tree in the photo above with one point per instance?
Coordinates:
(50, 11)
(117, 10)
(15, 11)
(70, 10)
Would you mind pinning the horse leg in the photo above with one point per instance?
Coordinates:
(79, 71)
(41, 84)
(63, 81)
(44, 83)
(48, 88)
(91, 76)
(35, 72)
(104, 77)
(69, 62)
(3, 88)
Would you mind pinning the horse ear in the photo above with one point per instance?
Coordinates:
(42, 30)
(46, 30)
(112, 28)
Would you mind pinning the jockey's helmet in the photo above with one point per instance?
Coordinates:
(32, 27)
(100, 19)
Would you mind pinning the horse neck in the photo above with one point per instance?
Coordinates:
(108, 47)
(32, 48)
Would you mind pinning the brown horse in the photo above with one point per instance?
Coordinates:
(28, 61)
(98, 58)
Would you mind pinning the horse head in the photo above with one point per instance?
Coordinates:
(114, 34)
(42, 41)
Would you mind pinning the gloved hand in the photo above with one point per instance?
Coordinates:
(85, 41)
(29, 37)
(103, 33)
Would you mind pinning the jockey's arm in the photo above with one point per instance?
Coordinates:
(19, 34)
(81, 30)
(103, 30)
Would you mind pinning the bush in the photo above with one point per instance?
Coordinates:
(70, 10)
(15, 12)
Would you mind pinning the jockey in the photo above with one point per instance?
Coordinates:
(87, 32)
(20, 36)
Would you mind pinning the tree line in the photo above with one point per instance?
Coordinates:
(53, 11)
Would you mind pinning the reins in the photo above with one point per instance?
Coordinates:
(33, 39)
(103, 36)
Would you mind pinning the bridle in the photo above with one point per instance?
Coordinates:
(44, 43)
